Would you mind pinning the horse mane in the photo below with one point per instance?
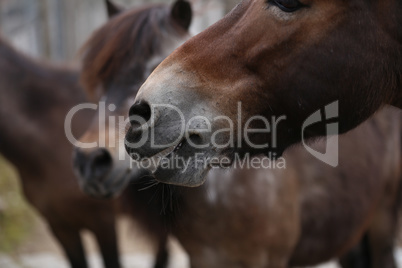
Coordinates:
(132, 36)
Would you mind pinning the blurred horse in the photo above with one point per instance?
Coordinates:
(124, 52)
(117, 60)
(35, 100)
(36, 97)
(258, 217)
(277, 58)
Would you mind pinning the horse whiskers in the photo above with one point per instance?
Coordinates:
(170, 197)
(156, 193)
(170, 201)
(167, 201)
(163, 209)
(141, 181)
(153, 184)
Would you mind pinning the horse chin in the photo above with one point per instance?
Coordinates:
(191, 175)
(109, 187)
(181, 165)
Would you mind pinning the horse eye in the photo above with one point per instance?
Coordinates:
(287, 5)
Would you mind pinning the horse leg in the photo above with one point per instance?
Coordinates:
(381, 238)
(376, 249)
(70, 240)
(106, 236)
(358, 257)
(384, 228)
(162, 255)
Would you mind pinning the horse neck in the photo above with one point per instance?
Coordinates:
(35, 99)
(390, 16)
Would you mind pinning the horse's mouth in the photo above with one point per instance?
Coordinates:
(154, 161)
(111, 187)
(182, 164)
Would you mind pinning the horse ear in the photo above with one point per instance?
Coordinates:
(113, 9)
(182, 13)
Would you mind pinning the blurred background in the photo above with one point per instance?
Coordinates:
(56, 29)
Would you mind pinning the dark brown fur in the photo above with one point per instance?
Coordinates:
(113, 9)
(35, 98)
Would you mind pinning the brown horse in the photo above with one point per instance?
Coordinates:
(118, 58)
(277, 58)
(36, 97)
(259, 217)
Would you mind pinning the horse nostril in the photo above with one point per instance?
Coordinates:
(79, 162)
(195, 139)
(100, 163)
(139, 111)
(93, 165)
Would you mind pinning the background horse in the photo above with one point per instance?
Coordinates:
(118, 58)
(36, 99)
(277, 58)
(304, 215)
